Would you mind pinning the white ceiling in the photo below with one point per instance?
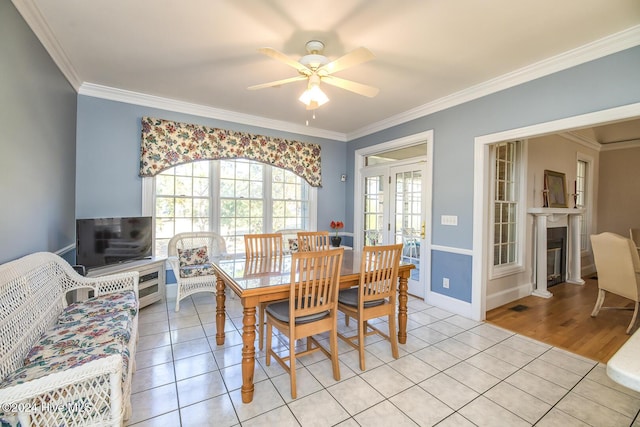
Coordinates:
(202, 54)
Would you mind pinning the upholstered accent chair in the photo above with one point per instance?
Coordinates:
(618, 266)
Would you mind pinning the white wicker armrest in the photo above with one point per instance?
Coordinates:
(175, 265)
(103, 284)
(54, 391)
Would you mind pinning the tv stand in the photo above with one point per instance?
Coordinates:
(151, 287)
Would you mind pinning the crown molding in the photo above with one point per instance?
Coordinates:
(593, 144)
(608, 45)
(582, 140)
(34, 19)
(621, 145)
(142, 99)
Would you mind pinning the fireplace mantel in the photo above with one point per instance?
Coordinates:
(573, 268)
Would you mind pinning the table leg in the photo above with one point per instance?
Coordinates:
(220, 316)
(402, 309)
(248, 353)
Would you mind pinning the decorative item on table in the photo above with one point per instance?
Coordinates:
(335, 240)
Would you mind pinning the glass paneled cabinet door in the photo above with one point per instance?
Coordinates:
(394, 212)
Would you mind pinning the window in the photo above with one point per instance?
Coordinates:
(506, 204)
(182, 202)
(232, 197)
(581, 201)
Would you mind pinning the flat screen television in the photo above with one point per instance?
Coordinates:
(105, 241)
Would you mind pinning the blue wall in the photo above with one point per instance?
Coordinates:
(37, 165)
(601, 84)
(108, 155)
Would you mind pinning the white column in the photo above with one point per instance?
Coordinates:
(541, 258)
(573, 258)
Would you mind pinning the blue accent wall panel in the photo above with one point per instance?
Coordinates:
(38, 141)
(455, 267)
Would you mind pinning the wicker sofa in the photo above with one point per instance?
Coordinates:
(65, 364)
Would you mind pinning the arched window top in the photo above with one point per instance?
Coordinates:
(165, 144)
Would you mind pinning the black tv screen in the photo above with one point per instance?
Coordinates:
(105, 241)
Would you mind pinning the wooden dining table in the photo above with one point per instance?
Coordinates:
(261, 280)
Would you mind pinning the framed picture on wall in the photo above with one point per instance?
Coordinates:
(556, 189)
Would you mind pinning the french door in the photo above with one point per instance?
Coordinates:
(394, 212)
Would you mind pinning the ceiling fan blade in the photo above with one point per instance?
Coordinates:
(279, 56)
(355, 57)
(278, 82)
(352, 86)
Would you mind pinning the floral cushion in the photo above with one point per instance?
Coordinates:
(195, 256)
(41, 367)
(293, 245)
(196, 270)
(100, 306)
(66, 338)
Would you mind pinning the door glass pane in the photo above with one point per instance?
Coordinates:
(408, 216)
(373, 210)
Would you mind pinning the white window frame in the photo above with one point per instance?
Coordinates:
(148, 201)
(588, 191)
(517, 266)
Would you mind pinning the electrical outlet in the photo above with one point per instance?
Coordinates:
(445, 282)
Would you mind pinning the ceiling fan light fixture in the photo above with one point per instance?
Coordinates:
(313, 97)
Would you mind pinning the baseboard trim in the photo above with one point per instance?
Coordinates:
(452, 305)
(501, 298)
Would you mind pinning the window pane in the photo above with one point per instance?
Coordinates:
(201, 187)
(183, 207)
(184, 186)
(201, 169)
(505, 203)
(201, 208)
(227, 188)
(164, 184)
(255, 190)
(185, 196)
(164, 207)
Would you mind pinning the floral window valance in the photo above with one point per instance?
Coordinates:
(166, 144)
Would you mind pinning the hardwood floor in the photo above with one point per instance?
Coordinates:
(565, 321)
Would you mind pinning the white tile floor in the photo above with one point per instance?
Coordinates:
(452, 372)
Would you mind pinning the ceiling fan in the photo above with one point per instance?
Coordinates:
(315, 68)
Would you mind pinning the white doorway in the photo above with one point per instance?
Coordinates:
(392, 202)
(482, 168)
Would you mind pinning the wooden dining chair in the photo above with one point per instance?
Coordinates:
(267, 245)
(263, 245)
(375, 296)
(313, 241)
(290, 238)
(310, 310)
